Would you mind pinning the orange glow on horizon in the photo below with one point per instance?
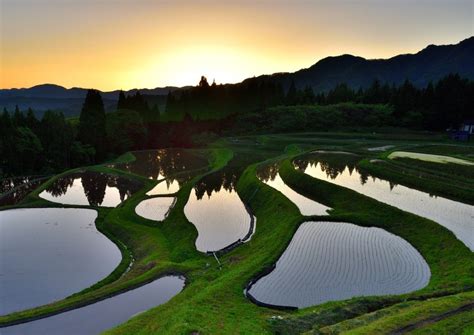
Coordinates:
(145, 44)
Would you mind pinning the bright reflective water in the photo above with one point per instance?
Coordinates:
(156, 208)
(341, 170)
(217, 211)
(90, 188)
(328, 261)
(270, 176)
(173, 166)
(105, 314)
(47, 254)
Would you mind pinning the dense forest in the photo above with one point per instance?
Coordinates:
(197, 115)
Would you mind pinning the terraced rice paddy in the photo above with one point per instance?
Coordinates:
(98, 317)
(305, 205)
(90, 188)
(328, 261)
(429, 158)
(156, 209)
(50, 253)
(220, 217)
(165, 186)
(455, 216)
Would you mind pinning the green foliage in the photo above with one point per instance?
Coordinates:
(125, 131)
(92, 123)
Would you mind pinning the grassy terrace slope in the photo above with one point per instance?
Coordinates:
(213, 301)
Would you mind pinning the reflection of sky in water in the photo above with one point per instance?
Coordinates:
(305, 205)
(455, 216)
(327, 261)
(166, 186)
(105, 314)
(220, 219)
(75, 195)
(49, 253)
(156, 208)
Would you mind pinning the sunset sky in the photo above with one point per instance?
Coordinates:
(113, 44)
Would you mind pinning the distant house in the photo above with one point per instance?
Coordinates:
(465, 131)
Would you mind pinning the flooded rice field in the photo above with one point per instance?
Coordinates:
(13, 190)
(270, 176)
(328, 261)
(341, 170)
(156, 209)
(217, 211)
(429, 158)
(173, 167)
(105, 314)
(48, 254)
(90, 188)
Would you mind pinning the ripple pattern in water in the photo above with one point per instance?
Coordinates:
(47, 254)
(328, 261)
(455, 216)
(156, 208)
(105, 314)
(220, 218)
(305, 205)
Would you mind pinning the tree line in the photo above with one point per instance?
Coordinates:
(435, 107)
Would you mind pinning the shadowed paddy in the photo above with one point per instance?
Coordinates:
(328, 261)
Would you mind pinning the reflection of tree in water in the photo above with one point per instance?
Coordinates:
(60, 185)
(175, 163)
(332, 164)
(225, 178)
(268, 172)
(94, 185)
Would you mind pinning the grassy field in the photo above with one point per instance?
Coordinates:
(213, 301)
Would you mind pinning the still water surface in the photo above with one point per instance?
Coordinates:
(105, 314)
(217, 212)
(90, 188)
(341, 170)
(47, 254)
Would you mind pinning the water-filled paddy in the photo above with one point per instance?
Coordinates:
(328, 261)
(172, 167)
(341, 170)
(105, 314)
(50, 253)
(270, 176)
(156, 209)
(13, 190)
(429, 158)
(90, 188)
(217, 211)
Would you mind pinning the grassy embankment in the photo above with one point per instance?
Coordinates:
(213, 300)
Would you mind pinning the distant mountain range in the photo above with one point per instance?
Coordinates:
(54, 97)
(430, 64)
